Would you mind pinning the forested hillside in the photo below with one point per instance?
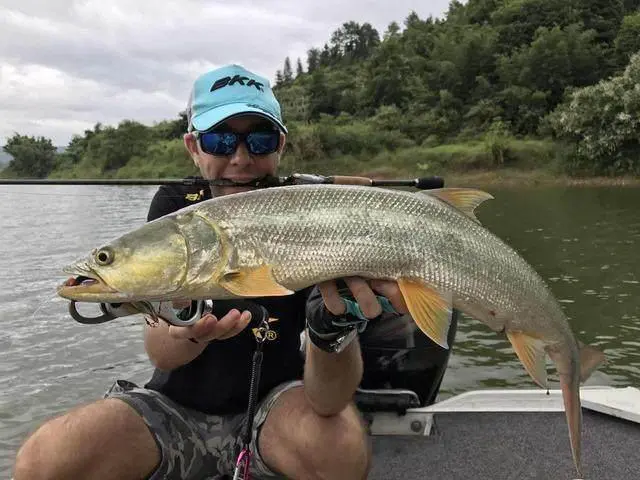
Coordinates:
(526, 83)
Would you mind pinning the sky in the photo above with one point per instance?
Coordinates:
(66, 65)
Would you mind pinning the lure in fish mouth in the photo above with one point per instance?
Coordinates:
(83, 284)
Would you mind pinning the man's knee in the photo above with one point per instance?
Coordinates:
(98, 439)
(344, 441)
(299, 440)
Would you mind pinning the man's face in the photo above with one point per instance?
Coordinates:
(241, 165)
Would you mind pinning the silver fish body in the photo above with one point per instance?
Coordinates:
(279, 240)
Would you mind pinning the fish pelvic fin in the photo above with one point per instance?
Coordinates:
(253, 282)
(464, 199)
(532, 354)
(590, 360)
(429, 308)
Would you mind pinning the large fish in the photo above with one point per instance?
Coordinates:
(279, 240)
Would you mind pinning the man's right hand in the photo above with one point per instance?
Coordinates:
(210, 328)
(170, 347)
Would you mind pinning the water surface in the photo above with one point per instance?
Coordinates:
(584, 241)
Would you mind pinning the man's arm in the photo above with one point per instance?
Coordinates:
(331, 378)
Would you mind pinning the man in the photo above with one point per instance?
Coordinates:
(186, 423)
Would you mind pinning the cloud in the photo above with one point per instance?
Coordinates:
(66, 65)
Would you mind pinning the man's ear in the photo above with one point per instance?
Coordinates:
(283, 142)
(191, 144)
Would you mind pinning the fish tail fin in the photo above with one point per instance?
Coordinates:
(590, 360)
(573, 412)
(568, 371)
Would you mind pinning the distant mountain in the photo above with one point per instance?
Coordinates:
(6, 158)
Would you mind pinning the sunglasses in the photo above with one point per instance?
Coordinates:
(226, 143)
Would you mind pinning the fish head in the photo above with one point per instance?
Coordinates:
(151, 262)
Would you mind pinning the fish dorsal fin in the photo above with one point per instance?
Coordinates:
(464, 199)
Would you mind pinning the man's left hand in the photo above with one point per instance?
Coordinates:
(364, 292)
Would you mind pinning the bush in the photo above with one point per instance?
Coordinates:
(603, 121)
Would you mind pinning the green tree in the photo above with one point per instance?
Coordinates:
(628, 40)
(313, 59)
(557, 59)
(33, 157)
(287, 73)
(602, 16)
(112, 148)
(517, 21)
(603, 121)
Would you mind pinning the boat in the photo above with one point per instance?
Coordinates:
(505, 434)
(483, 434)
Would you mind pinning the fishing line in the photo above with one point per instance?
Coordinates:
(49, 301)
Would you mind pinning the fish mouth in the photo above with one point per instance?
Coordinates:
(85, 285)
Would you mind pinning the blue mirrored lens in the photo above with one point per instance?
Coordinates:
(261, 143)
(217, 143)
(225, 143)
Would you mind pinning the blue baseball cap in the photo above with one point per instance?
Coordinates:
(230, 91)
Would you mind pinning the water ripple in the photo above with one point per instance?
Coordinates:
(584, 243)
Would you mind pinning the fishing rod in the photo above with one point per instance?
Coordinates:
(422, 183)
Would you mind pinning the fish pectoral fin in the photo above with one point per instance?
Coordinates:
(253, 282)
(590, 360)
(464, 199)
(532, 354)
(430, 309)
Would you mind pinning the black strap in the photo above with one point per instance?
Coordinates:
(256, 370)
(261, 334)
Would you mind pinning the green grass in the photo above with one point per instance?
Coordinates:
(503, 160)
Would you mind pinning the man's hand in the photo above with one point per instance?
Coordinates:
(210, 328)
(364, 292)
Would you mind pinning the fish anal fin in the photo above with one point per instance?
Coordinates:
(429, 308)
(590, 360)
(253, 282)
(464, 199)
(532, 354)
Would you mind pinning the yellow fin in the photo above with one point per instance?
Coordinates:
(430, 309)
(255, 282)
(590, 360)
(464, 199)
(531, 353)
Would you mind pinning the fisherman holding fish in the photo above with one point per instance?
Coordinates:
(187, 421)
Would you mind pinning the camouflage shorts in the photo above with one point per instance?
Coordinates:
(194, 445)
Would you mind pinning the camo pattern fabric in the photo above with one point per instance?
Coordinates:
(195, 445)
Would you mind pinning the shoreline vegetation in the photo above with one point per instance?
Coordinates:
(518, 93)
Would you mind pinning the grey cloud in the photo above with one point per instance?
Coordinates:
(123, 59)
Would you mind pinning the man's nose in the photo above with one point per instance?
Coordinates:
(241, 156)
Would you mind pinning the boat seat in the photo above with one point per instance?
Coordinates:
(386, 400)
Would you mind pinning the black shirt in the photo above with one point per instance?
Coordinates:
(217, 381)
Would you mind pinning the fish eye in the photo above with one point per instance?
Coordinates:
(104, 256)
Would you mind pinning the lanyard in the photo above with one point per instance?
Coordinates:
(244, 458)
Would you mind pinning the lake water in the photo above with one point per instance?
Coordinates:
(584, 241)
